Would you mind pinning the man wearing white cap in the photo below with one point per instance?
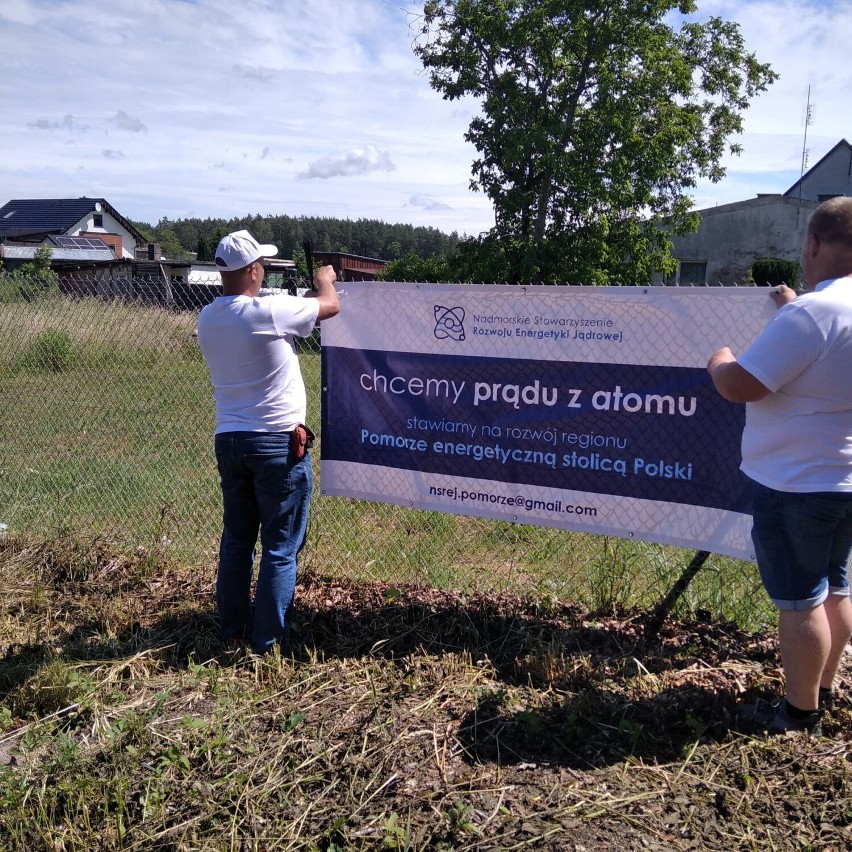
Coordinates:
(248, 343)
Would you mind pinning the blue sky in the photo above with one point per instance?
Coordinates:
(318, 107)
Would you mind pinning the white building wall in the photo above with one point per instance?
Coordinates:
(110, 226)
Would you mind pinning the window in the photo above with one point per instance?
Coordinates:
(693, 273)
(824, 196)
(97, 221)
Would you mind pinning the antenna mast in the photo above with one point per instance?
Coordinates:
(808, 120)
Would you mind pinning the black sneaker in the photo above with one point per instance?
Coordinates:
(826, 698)
(783, 724)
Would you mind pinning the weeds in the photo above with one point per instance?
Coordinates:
(108, 435)
(407, 718)
(456, 684)
(51, 351)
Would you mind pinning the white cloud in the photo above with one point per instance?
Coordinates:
(68, 123)
(112, 154)
(264, 92)
(125, 122)
(18, 12)
(358, 161)
(427, 203)
(291, 100)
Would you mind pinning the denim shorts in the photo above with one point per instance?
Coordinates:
(802, 543)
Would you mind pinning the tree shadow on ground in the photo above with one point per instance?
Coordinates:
(592, 662)
(521, 639)
(598, 727)
(610, 691)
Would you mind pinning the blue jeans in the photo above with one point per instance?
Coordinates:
(802, 542)
(261, 489)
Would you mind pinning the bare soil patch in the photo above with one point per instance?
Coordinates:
(405, 718)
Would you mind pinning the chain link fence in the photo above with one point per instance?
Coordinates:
(106, 422)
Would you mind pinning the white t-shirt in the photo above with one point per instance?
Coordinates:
(248, 344)
(799, 438)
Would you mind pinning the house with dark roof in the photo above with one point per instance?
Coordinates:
(732, 236)
(32, 220)
(93, 248)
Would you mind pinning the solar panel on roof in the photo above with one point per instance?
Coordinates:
(80, 242)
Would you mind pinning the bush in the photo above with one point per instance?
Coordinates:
(52, 350)
(8, 288)
(437, 269)
(35, 285)
(772, 271)
(31, 281)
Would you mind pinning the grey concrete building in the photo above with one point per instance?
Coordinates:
(732, 236)
(830, 177)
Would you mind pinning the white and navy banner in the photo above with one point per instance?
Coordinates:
(583, 408)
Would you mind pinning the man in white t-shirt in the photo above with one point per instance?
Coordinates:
(248, 341)
(796, 379)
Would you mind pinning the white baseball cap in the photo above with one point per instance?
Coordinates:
(239, 249)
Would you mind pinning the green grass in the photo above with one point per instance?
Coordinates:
(407, 718)
(117, 445)
(456, 684)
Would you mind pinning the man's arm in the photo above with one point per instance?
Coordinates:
(329, 304)
(732, 381)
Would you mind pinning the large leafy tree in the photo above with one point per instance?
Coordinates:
(412, 267)
(597, 117)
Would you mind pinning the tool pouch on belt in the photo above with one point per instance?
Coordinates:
(301, 440)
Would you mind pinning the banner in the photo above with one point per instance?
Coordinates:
(583, 408)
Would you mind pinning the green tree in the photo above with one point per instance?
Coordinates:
(302, 267)
(369, 237)
(167, 239)
(438, 269)
(202, 249)
(145, 229)
(596, 117)
(35, 279)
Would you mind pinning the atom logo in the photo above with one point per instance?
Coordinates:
(449, 322)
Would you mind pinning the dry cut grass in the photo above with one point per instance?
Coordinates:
(105, 325)
(406, 718)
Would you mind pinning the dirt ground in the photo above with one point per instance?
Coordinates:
(595, 735)
(405, 718)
